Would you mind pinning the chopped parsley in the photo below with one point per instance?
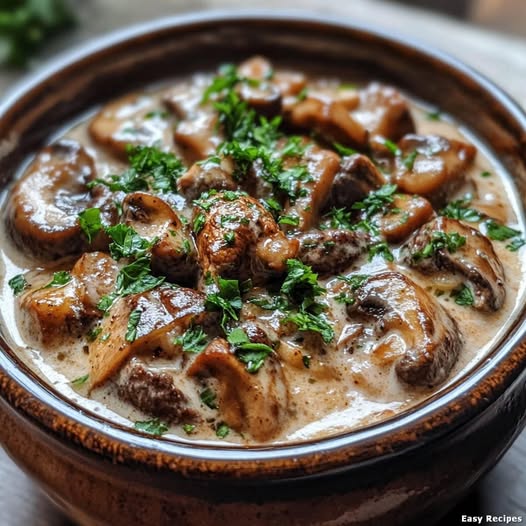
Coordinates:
(409, 160)
(344, 150)
(499, 232)
(133, 322)
(308, 321)
(392, 147)
(515, 244)
(94, 333)
(230, 238)
(227, 299)
(152, 427)
(289, 220)
(460, 210)
(193, 340)
(434, 115)
(18, 284)
(189, 429)
(338, 218)
(90, 222)
(209, 398)
(381, 248)
(306, 361)
(225, 81)
(301, 282)
(439, 241)
(81, 380)
(222, 430)
(376, 201)
(198, 222)
(303, 94)
(251, 354)
(60, 278)
(463, 296)
(127, 243)
(485, 173)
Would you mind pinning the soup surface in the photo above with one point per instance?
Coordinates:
(259, 256)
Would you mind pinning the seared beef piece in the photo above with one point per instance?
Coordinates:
(331, 251)
(432, 340)
(475, 260)
(154, 393)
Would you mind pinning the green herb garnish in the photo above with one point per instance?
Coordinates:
(193, 340)
(152, 427)
(60, 278)
(18, 284)
(90, 222)
(133, 322)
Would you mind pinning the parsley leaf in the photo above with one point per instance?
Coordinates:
(60, 278)
(301, 282)
(18, 284)
(289, 220)
(153, 427)
(515, 244)
(463, 296)
(251, 354)
(193, 340)
(225, 81)
(344, 150)
(222, 430)
(127, 242)
(81, 380)
(499, 232)
(460, 210)
(133, 322)
(198, 222)
(439, 241)
(307, 321)
(376, 201)
(380, 249)
(227, 300)
(90, 222)
(338, 218)
(189, 429)
(209, 398)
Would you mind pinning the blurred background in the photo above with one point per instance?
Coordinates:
(489, 35)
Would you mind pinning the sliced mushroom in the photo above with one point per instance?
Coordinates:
(42, 211)
(475, 261)
(209, 175)
(256, 68)
(405, 215)
(53, 313)
(432, 166)
(264, 97)
(383, 111)
(160, 312)
(356, 177)
(154, 392)
(329, 118)
(241, 240)
(321, 166)
(174, 253)
(256, 404)
(330, 251)
(430, 336)
(132, 119)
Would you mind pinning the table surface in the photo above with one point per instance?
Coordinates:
(502, 58)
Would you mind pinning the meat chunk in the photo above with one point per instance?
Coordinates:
(154, 393)
(174, 253)
(473, 259)
(255, 404)
(430, 337)
(321, 166)
(42, 210)
(328, 117)
(356, 177)
(202, 177)
(160, 311)
(432, 166)
(383, 111)
(240, 239)
(406, 214)
(132, 119)
(52, 313)
(331, 251)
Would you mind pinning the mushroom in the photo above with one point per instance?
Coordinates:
(328, 117)
(132, 119)
(330, 251)
(159, 312)
(42, 211)
(356, 177)
(474, 260)
(398, 306)
(209, 175)
(321, 167)
(383, 111)
(240, 239)
(404, 216)
(154, 392)
(53, 313)
(432, 166)
(174, 253)
(256, 404)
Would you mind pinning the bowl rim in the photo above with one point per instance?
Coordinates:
(427, 422)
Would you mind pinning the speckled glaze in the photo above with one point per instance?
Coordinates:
(409, 469)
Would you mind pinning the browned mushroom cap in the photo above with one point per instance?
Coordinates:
(132, 119)
(174, 254)
(154, 392)
(356, 177)
(383, 111)
(241, 240)
(321, 166)
(51, 314)
(328, 117)
(431, 336)
(264, 97)
(161, 311)
(197, 132)
(405, 215)
(330, 251)
(256, 404)
(209, 175)
(432, 166)
(475, 261)
(42, 211)
(256, 67)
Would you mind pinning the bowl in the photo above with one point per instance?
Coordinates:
(411, 468)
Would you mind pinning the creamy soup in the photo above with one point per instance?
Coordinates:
(255, 255)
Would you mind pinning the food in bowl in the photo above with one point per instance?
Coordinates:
(260, 256)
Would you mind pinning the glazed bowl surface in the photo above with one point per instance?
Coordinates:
(408, 468)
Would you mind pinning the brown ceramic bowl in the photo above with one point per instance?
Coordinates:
(410, 468)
